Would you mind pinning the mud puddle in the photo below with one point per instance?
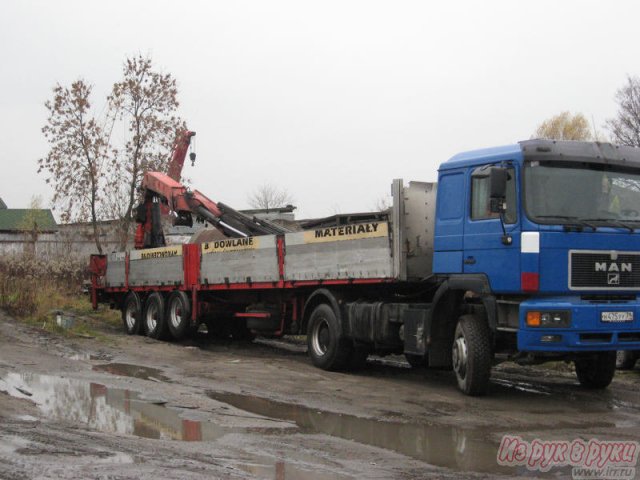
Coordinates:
(281, 470)
(106, 409)
(135, 371)
(87, 357)
(82, 357)
(455, 448)
(525, 387)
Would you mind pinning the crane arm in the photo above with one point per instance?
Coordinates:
(180, 148)
(161, 190)
(164, 192)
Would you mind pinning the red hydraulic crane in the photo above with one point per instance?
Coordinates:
(165, 192)
(180, 147)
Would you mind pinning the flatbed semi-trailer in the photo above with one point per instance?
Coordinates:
(506, 257)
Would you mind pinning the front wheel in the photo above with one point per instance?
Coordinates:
(596, 371)
(327, 346)
(471, 355)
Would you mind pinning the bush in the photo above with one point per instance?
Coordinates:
(28, 283)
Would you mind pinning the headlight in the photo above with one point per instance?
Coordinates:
(545, 319)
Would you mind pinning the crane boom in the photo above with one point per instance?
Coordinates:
(180, 148)
(164, 193)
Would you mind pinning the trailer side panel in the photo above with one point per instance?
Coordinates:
(341, 252)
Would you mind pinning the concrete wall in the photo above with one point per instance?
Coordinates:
(73, 240)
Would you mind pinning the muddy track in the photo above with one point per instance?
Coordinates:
(132, 407)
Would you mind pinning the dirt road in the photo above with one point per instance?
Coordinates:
(131, 407)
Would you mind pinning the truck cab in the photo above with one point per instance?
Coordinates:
(545, 236)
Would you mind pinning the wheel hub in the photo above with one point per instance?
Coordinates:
(130, 317)
(320, 338)
(459, 353)
(176, 316)
(151, 319)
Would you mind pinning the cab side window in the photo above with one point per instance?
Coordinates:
(481, 201)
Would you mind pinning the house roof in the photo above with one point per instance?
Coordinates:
(17, 219)
(2, 205)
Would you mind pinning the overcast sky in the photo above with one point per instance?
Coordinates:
(328, 99)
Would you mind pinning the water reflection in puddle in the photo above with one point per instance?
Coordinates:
(456, 448)
(107, 409)
(282, 470)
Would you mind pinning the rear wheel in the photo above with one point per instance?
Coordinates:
(132, 313)
(178, 314)
(327, 346)
(471, 355)
(596, 371)
(626, 360)
(155, 325)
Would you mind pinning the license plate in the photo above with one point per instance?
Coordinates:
(616, 316)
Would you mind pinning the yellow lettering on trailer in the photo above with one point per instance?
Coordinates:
(153, 253)
(231, 245)
(347, 232)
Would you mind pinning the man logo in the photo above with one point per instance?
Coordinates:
(613, 267)
(613, 279)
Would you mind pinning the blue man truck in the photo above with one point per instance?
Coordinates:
(528, 252)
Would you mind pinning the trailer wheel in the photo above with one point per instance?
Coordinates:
(178, 314)
(327, 346)
(471, 355)
(596, 371)
(626, 359)
(155, 325)
(132, 313)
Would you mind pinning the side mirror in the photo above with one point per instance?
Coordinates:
(498, 177)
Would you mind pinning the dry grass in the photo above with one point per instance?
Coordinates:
(32, 290)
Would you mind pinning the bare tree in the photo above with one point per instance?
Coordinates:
(77, 156)
(625, 127)
(267, 197)
(384, 202)
(146, 101)
(565, 126)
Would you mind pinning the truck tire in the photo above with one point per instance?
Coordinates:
(626, 359)
(178, 314)
(155, 325)
(471, 355)
(327, 346)
(597, 370)
(132, 313)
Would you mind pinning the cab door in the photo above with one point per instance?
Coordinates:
(487, 250)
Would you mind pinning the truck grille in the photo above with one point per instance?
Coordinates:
(604, 270)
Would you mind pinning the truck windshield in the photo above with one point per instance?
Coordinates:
(588, 194)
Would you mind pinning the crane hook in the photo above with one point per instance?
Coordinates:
(192, 148)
